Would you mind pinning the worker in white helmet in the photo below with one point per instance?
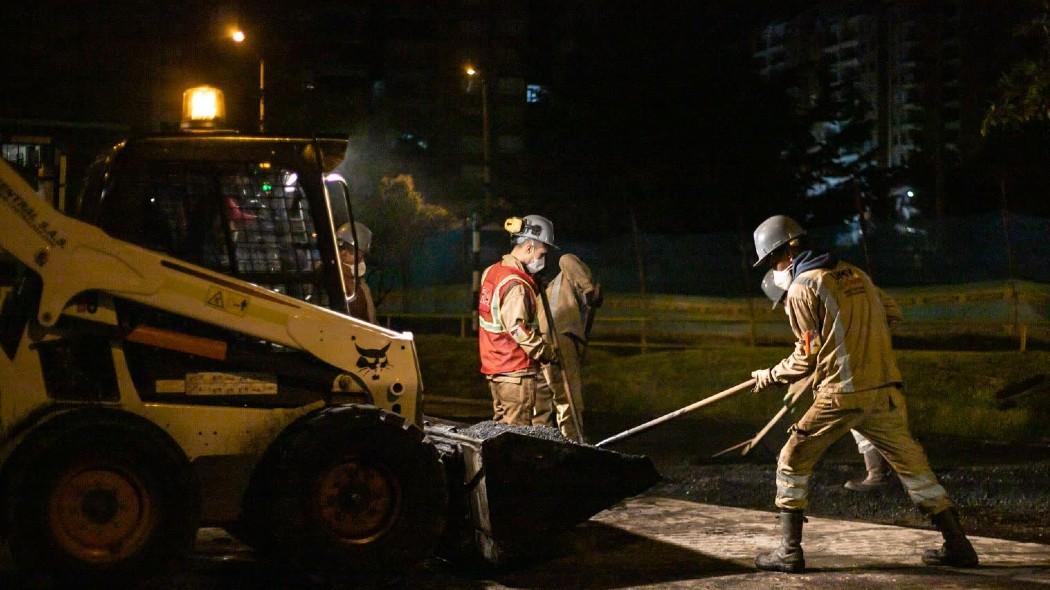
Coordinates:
(510, 343)
(878, 473)
(843, 344)
(355, 242)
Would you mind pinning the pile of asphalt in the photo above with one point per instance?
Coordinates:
(1008, 501)
(1002, 488)
(489, 429)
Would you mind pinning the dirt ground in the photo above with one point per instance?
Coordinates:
(1003, 490)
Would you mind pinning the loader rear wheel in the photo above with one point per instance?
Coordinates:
(350, 488)
(99, 493)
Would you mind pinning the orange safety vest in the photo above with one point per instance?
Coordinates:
(499, 351)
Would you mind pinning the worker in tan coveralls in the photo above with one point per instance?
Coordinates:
(843, 343)
(573, 295)
(510, 343)
(878, 473)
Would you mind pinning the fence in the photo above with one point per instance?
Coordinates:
(976, 315)
(989, 247)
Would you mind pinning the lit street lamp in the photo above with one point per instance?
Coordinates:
(486, 177)
(238, 37)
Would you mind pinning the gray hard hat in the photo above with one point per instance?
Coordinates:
(537, 227)
(772, 291)
(774, 233)
(345, 237)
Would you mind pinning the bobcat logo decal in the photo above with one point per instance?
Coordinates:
(372, 360)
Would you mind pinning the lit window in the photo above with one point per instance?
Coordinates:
(534, 93)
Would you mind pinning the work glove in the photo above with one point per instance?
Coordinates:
(548, 357)
(763, 379)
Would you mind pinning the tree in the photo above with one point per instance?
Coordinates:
(1024, 90)
(400, 219)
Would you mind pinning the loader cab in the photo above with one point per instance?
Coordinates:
(261, 209)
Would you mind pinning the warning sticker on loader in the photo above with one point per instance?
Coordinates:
(220, 384)
(227, 301)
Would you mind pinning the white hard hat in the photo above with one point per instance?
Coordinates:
(345, 236)
(537, 227)
(774, 233)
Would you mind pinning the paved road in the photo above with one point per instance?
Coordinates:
(656, 542)
(653, 542)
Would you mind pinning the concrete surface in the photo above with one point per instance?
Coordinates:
(654, 542)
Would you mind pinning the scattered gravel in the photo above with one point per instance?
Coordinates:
(489, 429)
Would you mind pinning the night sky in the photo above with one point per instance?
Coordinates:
(657, 110)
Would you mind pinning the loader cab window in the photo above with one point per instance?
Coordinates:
(247, 219)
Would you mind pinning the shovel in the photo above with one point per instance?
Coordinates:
(745, 386)
(746, 446)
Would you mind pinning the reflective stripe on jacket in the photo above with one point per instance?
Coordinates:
(843, 338)
(507, 319)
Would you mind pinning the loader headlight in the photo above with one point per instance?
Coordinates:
(203, 107)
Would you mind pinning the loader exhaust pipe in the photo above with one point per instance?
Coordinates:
(746, 385)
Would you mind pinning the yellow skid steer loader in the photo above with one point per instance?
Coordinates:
(178, 353)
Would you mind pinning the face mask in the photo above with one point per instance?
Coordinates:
(782, 278)
(536, 265)
(359, 271)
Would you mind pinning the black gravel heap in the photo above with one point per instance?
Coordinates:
(489, 429)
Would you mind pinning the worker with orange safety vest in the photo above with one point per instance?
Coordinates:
(511, 346)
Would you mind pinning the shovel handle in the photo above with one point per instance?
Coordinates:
(745, 386)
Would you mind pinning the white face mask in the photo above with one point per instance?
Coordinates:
(359, 271)
(536, 265)
(782, 278)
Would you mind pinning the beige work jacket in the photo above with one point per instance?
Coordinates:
(568, 296)
(840, 321)
(518, 311)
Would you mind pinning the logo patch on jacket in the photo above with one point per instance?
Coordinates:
(811, 342)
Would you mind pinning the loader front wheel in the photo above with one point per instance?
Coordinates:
(352, 488)
(99, 493)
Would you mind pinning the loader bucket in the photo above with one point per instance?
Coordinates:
(513, 488)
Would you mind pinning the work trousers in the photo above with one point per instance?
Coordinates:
(878, 414)
(799, 388)
(552, 405)
(513, 398)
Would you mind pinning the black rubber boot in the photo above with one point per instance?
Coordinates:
(956, 550)
(878, 476)
(788, 557)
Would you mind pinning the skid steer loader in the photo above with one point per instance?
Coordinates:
(177, 354)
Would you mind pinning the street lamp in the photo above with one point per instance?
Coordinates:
(486, 177)
(238, 36)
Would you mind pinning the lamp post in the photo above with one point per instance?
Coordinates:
(238, 36)
(486, 173)
(486, 178)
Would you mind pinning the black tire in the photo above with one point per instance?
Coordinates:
(352, 489)
(99, 493)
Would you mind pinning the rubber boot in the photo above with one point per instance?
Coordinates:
(878, 475)
(788, 557)
(956, 550)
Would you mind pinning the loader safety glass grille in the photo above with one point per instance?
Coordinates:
(237, 218)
